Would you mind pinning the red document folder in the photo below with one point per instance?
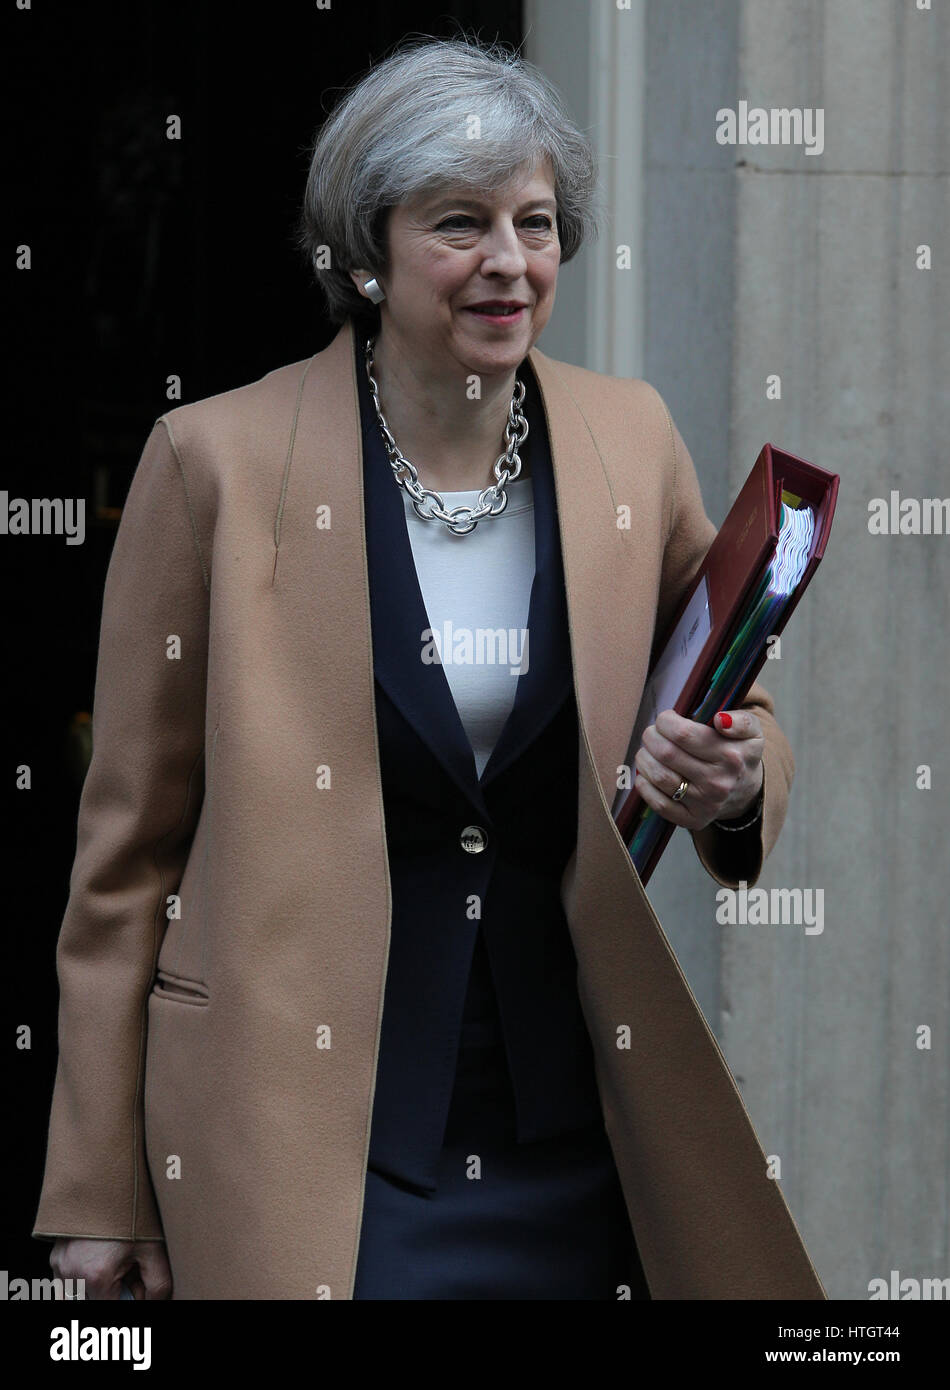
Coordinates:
(731, 572)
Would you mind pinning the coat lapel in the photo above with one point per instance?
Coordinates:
(610, 570)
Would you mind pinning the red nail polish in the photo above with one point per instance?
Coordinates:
(725, 720)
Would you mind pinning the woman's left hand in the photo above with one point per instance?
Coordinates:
(723, 766)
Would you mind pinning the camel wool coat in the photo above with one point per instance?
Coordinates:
(223, 954)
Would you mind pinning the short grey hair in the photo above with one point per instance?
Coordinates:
(407, 127)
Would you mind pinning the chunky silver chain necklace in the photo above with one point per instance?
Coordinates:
(492, 500)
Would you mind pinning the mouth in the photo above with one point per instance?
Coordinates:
(498, 310)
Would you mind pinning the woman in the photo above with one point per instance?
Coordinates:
(361, 996)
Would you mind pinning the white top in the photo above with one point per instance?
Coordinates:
(477, 589)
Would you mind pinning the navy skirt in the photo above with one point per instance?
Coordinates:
(507, 1220)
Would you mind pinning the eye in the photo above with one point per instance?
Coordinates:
(538, 222)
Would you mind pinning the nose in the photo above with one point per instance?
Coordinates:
(503, 252)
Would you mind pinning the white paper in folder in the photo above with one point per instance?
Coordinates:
(671, 672)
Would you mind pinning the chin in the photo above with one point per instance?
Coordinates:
(496, 357)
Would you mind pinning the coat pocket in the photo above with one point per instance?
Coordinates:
(179, 989)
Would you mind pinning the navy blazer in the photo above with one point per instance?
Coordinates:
(454, 980)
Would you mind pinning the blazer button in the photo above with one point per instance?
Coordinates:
(473, 839)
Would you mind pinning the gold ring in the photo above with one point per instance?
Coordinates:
(680, 791)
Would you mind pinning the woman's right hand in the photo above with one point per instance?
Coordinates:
(103, 1264)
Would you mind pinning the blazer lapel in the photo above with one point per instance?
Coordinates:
(543, 687)
(418, 689)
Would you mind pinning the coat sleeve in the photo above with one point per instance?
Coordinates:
(137, 815)
(728, 856)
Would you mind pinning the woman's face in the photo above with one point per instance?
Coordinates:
(453, 258)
